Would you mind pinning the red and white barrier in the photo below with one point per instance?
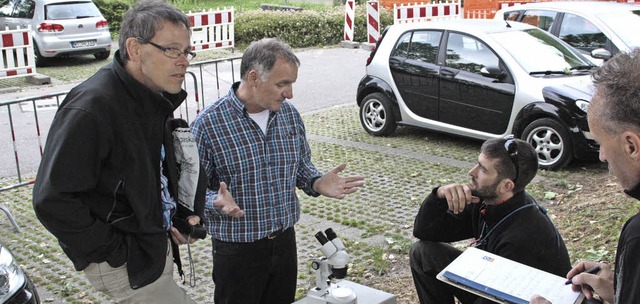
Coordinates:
(426, 12)
(479, 13)
(373, 21)
(212, 29)
(503, 4)
(16, 53)
(349, 17)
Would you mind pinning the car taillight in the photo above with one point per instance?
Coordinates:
(50, 27)
(375, 47)
(102, 23)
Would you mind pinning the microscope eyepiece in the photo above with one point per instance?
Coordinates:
(330, 234)
(321, 238)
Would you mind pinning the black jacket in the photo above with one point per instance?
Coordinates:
(627, 269)
(98, 186)
(527, 236)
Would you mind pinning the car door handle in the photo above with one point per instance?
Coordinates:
(448, 73)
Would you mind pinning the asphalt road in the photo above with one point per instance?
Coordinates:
(327, 77)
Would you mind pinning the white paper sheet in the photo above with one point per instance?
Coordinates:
(507, 281)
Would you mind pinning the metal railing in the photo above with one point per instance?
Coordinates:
(207, 82)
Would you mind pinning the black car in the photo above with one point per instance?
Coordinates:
(15, 286)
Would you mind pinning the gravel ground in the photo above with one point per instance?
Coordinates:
(375, 223)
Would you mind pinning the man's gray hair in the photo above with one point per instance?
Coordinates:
(617, 99)
(262, 55)
(145, 18)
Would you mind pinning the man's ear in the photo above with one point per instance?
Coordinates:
(134, 49)
(506, 185)
(631, 144)
(252, 77)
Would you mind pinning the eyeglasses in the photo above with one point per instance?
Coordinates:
(512, 148)
(170, 52)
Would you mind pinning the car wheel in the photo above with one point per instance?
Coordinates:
(40, 61)
(550, 139)
(376, 115)
(101, 55)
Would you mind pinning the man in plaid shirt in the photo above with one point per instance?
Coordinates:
(253, 147)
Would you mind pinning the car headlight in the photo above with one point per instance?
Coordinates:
(582, 105)
(11, 276)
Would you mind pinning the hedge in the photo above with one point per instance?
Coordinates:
(298, 29)
(302, 29)
(113, 11)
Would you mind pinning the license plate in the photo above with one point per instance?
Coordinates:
(85, 43)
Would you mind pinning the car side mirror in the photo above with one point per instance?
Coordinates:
(493, 72)
(601, 54)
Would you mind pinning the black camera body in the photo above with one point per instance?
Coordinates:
(194, 231)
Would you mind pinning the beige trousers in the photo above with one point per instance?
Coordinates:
(115, 283)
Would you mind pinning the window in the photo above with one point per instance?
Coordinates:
(581, 33)
(6, 6)
(469, 54)
(402, 47)
(424, 46)
(512, 16)
(71, 10)
(24, 9)
(541, 19)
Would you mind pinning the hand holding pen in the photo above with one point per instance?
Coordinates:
(592, 270)
(591, 277)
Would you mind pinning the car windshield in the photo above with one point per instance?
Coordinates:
(71, 10)
(539, 53)
(625, 26)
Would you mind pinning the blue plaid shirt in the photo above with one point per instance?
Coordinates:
(261, 171)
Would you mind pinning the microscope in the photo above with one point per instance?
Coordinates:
(332, 265)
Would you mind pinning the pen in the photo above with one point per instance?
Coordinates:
(592, 270)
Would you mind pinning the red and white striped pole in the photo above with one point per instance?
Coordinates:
(349, 13)
(373, 21)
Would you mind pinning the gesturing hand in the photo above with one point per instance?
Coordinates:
(226, 203)
(332, 185)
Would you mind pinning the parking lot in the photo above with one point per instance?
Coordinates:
(376, 222)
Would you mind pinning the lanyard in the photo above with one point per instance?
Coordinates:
(482, 241)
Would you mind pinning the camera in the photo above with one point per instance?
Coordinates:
(194, 231)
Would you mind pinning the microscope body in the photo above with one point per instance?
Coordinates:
(332, 265)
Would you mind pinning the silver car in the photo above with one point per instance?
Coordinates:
(599, 29)
(60, 28)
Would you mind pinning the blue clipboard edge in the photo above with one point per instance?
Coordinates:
(480, 289)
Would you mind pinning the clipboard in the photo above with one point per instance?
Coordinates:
(505, 281)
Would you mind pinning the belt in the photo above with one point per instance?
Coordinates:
(276, 234)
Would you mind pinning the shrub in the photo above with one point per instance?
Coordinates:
(113, 11)
(305, 28)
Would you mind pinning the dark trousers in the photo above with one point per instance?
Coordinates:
(427, 259)
(260, 272)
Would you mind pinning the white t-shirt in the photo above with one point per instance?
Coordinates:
(261, 118)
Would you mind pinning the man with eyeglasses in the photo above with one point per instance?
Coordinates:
(495, 211)
(109, 186)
